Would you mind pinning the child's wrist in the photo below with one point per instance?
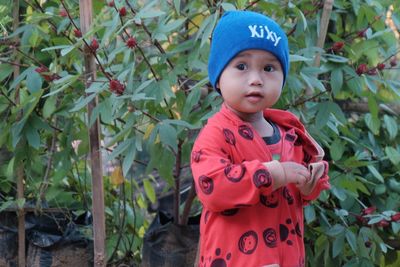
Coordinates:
(278, 173)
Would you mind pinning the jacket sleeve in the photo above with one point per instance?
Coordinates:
(221, 183)
(321, 179)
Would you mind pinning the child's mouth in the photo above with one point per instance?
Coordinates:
(254, 96)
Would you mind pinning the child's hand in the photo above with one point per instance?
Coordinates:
(288, 172)
(316, 170)
(296, 173)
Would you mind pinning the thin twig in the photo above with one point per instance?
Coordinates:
(8, 99)
(302, 101)
(177, 189)
(13, 63)
(188, 204)
(45, 183)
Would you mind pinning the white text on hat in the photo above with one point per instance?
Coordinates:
(264, 32)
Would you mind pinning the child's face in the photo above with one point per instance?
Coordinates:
(251, 82)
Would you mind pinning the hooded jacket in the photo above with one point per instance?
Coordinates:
(244, 221)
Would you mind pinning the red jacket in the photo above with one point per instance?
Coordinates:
(244, 222)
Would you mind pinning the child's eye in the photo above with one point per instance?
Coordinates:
(241, 66)
(269, 68)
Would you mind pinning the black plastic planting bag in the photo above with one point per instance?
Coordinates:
(53, 240)
(168, 244)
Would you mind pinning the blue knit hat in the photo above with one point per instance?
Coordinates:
(237, 31)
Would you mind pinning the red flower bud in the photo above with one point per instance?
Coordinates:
(369, 210)
(396, 217)
(380, 66)
(111, 4)
(383, 223)
(362, 33)
(337, 46)
(94, 45)
(393, 62)
(362, 68)
(372, 71)
(63, 13)
(362, 220)
(45, 73)
(117, 87)
(131, 42)
(42, 69)
(122, 11)
(77, 33)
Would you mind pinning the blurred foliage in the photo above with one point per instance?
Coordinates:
(154, 96)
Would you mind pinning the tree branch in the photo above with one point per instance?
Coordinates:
(362, 107)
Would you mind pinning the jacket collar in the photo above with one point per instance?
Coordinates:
(288, 121)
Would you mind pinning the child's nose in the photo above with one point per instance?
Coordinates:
(255, 79)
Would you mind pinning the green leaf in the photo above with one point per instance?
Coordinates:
(166, 28)
(309, 214)
(352, 240)
(373, 106)
(336, 230)
(208, 28)
(49, 107)
(391, 126)
(370, 84)
(375, 173)
(337, 112)
(339, 193)
(57, 47)
(396, 227)
(168, 135)
(302, 21)
(6, 205)
(64, 83)
(5, 71)
(32, 135)
(119, 149)
(336, 80)
(228, 6)
(338, 245)
(21, 77)
(34, 81)
(106, 110)
(129, 157)
(393, 155)
(66, 50)
(323, 114)
(82, 102)
(298, 58)
(312, 82)
(177, 5)
(149, 12)
(373, 123)
(192, 99)
(148, 188)
(341, 212)
(166, 165)
(241, 4)
(336, 58)
(336, 149)
(180, 123)
(375, 219)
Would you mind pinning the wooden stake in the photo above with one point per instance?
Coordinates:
(86, 14)
(326, 14)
